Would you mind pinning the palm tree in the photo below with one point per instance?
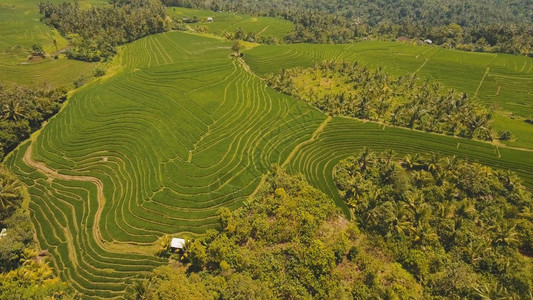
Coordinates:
(466, 209)
(9, 193)
(364, 159)
(401, 223)
(491, 291)
(138, 290)
(505, 234)
(425, 233)
(453, 231)
(13, 110)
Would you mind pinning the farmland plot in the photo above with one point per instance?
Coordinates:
(180, 130)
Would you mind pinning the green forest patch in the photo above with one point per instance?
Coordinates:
(500, 81)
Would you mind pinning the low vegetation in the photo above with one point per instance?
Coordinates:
(24, 109)
(462, 229)
(345, 88)
(95, 33)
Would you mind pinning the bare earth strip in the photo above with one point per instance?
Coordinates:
(116, 247)
(313, 138)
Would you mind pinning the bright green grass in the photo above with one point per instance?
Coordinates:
(344, 137)
(181, 131)
(230, 22)
(20, 28)
(519, 127)
(501, 81)
(506, 85)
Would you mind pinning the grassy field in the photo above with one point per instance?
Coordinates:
(499, 80)
(180, 131)
(231, 22)
(20, 29)
(159, 148)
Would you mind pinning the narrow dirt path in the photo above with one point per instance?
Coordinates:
(117, 247)
(313, 138)
(247, 68)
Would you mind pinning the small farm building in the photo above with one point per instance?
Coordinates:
(177, 243)
(428, 41)
(209, 19)
(402, 38)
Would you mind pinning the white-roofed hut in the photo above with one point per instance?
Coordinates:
(177, 243)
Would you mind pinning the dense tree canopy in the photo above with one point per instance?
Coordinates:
(288, 242)
(93, 34)
(462, 229)
(345, 88)
(487, 25)
(24, 109)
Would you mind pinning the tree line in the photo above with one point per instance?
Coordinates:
(94, 33)
(462, 229)
(488, 25)
(24, 109)
(345, 88)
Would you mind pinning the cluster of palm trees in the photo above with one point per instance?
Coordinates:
(94, 33)
(23, 109)
(34, 279)
(449, 209)
(406, 101)
(10, 197)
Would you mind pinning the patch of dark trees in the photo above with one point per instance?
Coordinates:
(486, 25)
(24, 109)
(406, 101)
(94, 33)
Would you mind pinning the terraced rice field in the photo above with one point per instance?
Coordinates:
(497, 79)
(343, 137)
(157, 149)
(231, 22)
(20, 28)
(500, 81)
(183, 129)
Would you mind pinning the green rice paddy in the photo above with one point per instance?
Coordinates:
(180, 129)
(20, 29)
(231, 22)
(500, 81)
